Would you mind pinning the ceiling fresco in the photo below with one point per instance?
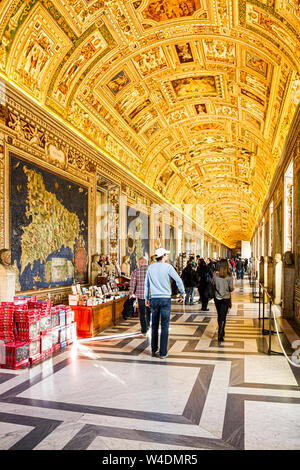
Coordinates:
(194, 97)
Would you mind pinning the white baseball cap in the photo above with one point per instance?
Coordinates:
(161, 252)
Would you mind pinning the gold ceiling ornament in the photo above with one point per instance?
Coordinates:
(194, 97)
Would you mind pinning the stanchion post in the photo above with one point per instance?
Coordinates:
(270, 326)
(259, 294)
(263, 327)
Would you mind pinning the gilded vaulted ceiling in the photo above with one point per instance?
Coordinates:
(194, 97)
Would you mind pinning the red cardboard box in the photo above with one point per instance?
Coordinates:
(46, 342)
(14, 355)
(45, 322)
(55, 336)
(34, 350)
(28, 330)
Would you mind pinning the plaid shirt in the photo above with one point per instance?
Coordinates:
(137, 282)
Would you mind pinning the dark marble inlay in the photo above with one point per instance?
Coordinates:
(233, 430)
(42, 428)
(194, 407)
(89, 432)
(5, 377)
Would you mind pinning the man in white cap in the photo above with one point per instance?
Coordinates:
(157, 283)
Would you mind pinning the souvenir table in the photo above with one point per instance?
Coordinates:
(91, 320)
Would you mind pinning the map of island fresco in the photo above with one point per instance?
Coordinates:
(49, 228)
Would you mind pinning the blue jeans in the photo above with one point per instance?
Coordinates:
(190, 295)
(160, 309)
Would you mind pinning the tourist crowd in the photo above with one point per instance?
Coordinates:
(153, 287)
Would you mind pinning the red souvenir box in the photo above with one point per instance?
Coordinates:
(55, 335)
(54, 319)
(62, 336)
(46, 344)
(56, 347)
(34, 349)
(14, 355)
(62, 317)
(45, 323)
(27, 330)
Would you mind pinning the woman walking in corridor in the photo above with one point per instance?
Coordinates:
(223, 287)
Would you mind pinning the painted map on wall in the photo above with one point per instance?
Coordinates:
(49, 227)
(137, 236)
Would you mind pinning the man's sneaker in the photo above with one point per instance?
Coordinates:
(164, 357)
(155, 354)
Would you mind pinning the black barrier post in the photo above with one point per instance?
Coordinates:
(259, 293)
(263, 327)
(270, 326)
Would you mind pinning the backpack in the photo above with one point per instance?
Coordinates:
(129, 308)
(208, 277)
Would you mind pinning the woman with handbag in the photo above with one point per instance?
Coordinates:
(223, 285)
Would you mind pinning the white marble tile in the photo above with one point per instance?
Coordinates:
(250, 345)
(268, 370)
(184, 330)
(195, 317)
(178, 347)
(144, 387)
(272, 426)
(11, 433)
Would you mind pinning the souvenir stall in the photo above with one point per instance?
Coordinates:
(97, 307)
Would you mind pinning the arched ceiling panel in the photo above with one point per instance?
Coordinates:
(194, 97)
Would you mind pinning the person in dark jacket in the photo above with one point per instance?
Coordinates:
(202, 272)
(239, 266)
(211, 267)
(190, 281)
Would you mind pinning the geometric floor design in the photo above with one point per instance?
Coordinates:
(108, 393)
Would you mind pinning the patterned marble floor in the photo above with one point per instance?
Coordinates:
(109, 393)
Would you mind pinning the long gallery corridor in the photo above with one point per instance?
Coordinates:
(110, 393)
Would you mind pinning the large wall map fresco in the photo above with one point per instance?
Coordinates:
(49, 227)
